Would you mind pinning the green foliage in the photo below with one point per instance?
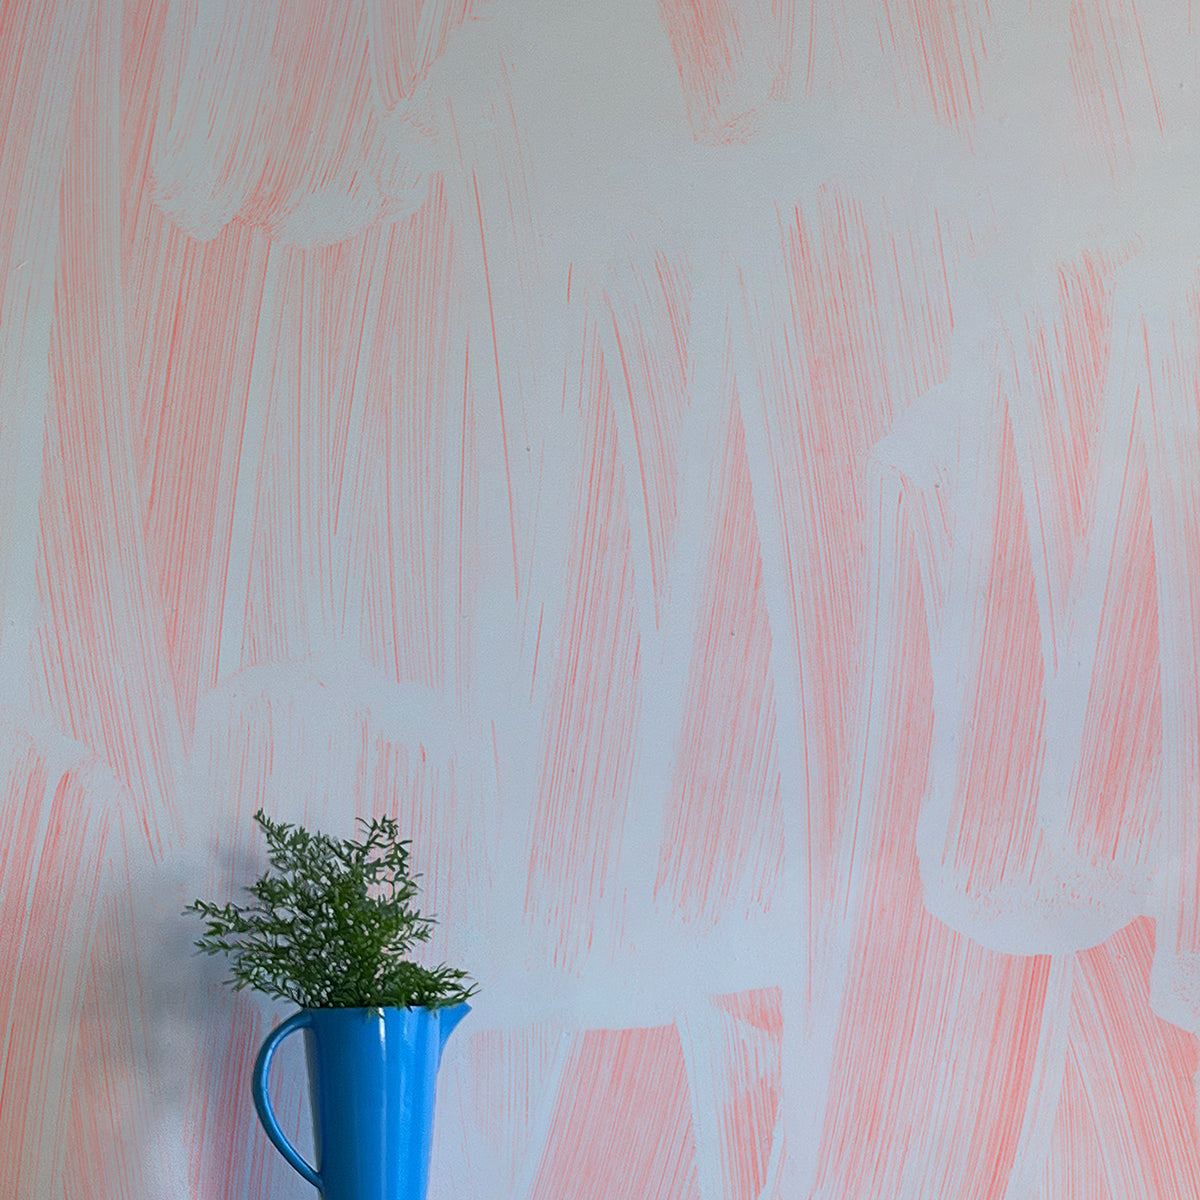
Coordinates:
(332, 924)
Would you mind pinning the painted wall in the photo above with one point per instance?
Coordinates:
(724, 473)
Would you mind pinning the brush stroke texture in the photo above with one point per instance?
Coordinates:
(596, 1146)
(587, 748)
(58, 801)
(725, 476)
(103, 672)
(723, 827)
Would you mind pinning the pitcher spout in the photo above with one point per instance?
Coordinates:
(448, 1019)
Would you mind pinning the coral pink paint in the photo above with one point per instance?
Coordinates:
(829, 382)
(650, 316)
(724, 474)
(105, 676)
(1115, 88)
(52, 828)
(587, 745)
(723, 837)
(407, 36)
(732, 60)
(621, 1123)
(1134, 1073)
(937, 1036)
(733, 1051)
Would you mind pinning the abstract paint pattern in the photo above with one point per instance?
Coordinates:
(723, 474)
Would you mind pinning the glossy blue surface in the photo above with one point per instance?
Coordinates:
(372, 1075)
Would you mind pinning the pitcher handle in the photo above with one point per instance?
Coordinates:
(262, 1102)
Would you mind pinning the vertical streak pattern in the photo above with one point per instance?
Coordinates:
(832, 370)
(651, 317)
(40, 48)
(55, 806)
(588, 747)
(723, 839)
(723, 474)
(407, 36)
(1168, 336)
(733, 59)
(621, 1124)
(105, 673)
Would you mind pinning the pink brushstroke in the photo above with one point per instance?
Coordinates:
(587, 744)
(786, 672)
(56, 802)
(723, 837)
(598, 1143)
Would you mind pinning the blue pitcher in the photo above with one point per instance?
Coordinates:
(372, 1078)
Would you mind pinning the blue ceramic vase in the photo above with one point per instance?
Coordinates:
(372, 1077)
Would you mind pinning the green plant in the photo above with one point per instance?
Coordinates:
(332, 924)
